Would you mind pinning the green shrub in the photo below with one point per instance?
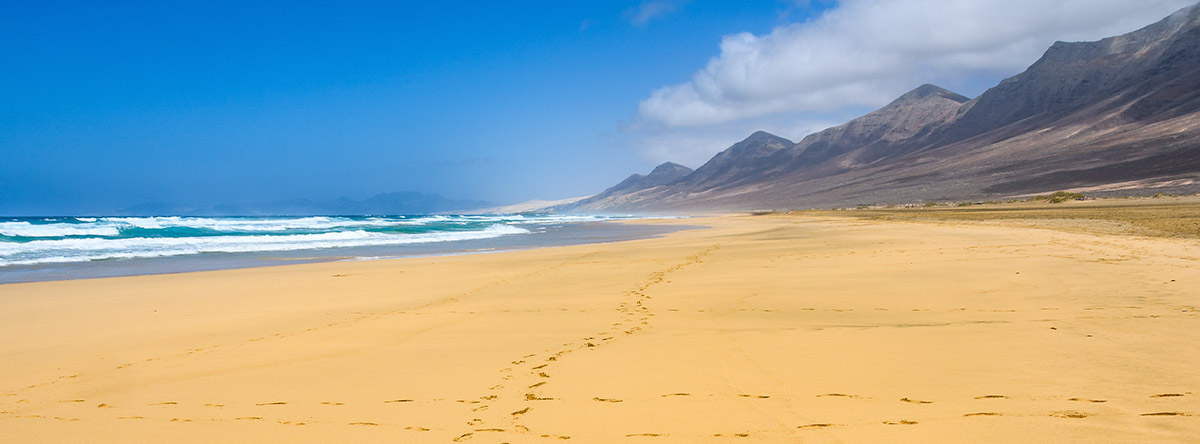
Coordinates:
(1063, 196)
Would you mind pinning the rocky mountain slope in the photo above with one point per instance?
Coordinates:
(1123, 111)
(628, 189)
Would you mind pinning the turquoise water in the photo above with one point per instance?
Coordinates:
(37, 241)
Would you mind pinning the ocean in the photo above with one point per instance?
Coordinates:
(56, 248)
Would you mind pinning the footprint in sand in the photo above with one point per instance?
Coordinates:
(900, 422)
(838, 395)
(103, 406)
(743, 395)
(606, 399)
(417, 429)
(1166, 414)
(1068, 414)
(981, 414)
(261, 404)
(521, 412)
(668, 395)
(215, 405)
(632, 435)
(915, 401)
(1087, 400)
(165, 403)
(249, 418)
(464, 437)
(322, 403)
(819, 425)
(369, 424)
(991, 397)
(534, 397)
(735, 435)
(73, 400)
(1160, 395)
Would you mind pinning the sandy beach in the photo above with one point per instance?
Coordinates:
(778, 328)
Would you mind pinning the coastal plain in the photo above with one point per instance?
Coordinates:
(816, 327)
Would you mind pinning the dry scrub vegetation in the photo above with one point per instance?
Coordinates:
(1162, 217)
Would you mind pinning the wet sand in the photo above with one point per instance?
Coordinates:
(804, 328)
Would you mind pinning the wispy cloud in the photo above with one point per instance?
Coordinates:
(649, 10)
(867, 52)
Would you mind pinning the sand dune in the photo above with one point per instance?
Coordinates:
(758, 329)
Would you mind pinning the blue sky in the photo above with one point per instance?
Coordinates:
(200, 103)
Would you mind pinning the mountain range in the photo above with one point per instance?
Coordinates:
(1119, 113)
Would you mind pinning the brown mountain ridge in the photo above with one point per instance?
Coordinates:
(1122, 111)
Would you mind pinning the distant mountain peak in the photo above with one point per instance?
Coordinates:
(1136, 42)
(761, 137)
(927, 91)
(759, 143)
(664, 174)
(670, 168)
(907, 120)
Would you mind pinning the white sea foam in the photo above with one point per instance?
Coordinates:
(85, 239)
(88, 249)
(266, 224)
(26, 229)
(327, 223)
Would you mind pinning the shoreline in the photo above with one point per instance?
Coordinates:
(777, 329)
(579, 233)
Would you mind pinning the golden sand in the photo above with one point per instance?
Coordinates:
(758, 329)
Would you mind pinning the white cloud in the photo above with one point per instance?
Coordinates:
(648, 10)
(867, 52)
